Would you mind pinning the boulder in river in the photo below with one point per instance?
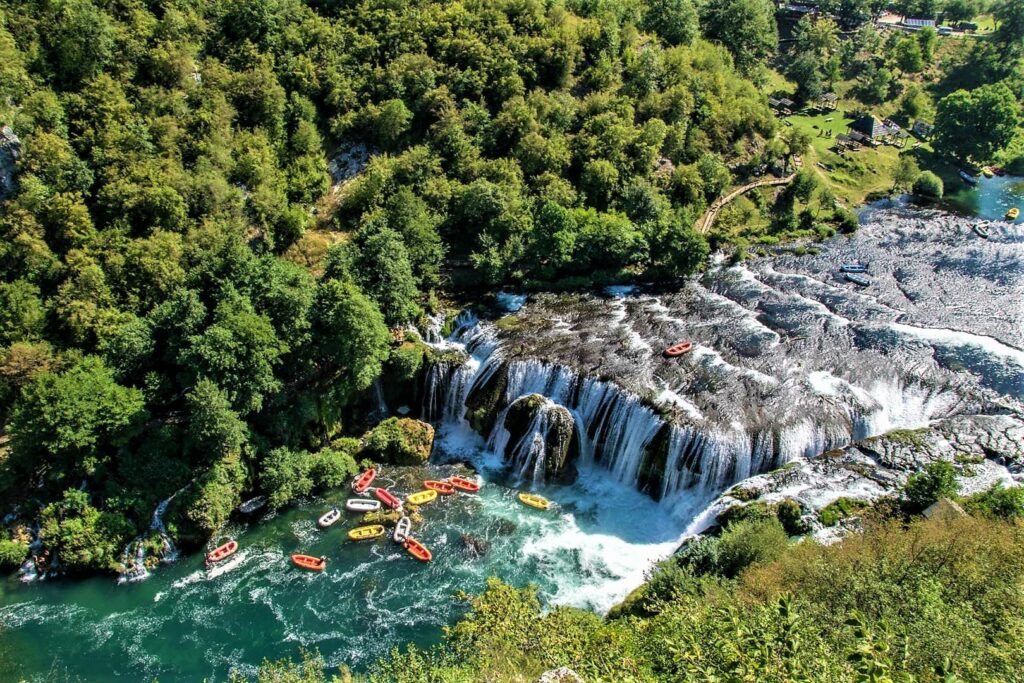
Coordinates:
(542, 439)
(475, 547)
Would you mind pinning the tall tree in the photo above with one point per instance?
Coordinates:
(380, 264)
(239, 352)
(69, 425)
(974, 125)
(746, 27)
(349, 340)
(673, 20)
(1010, 34)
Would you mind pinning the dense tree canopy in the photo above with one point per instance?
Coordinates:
(221, 207)
(975, 124)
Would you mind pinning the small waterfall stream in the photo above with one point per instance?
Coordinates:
(134, 556)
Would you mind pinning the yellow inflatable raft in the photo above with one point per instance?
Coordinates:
(533, 501)
(363, 533)
(421, 497)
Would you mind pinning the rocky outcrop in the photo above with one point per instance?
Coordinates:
(10, 152)
(832, 487)
(484, 402)
(399, 441)
(542, 438)
(560, 675)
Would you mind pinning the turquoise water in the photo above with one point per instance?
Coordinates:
(990, 199)
(185, 623)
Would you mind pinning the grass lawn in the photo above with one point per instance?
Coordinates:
(986, 23)
(854, 175)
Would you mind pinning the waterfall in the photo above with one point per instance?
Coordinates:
(134, 555)
(625, 437)
(29, 570)
(381, 409)
(615, 429)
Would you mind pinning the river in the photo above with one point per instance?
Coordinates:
(789, 360)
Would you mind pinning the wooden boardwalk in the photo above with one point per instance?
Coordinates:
(705, 222)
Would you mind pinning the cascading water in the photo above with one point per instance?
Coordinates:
(134, 556)
(629, 441)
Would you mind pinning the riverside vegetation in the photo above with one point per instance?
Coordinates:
(191, 308)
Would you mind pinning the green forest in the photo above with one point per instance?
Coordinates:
(196, 298)
(189, 301)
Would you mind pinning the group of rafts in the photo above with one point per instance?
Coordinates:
(401, 534)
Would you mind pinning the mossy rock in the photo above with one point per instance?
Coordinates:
(390, 517)
(651, 477)
(906, 437)
(757, 511)
(840, 509)
(483, 403)
(452, 357)
(561, 444)
(742, 494)
(399, 441)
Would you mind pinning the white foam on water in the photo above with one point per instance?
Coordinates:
(825, 383)
(984, 475)
(747, 317)
(595, 548)
(510, 302)
(669, 397)
(713, 359)
(955, 338)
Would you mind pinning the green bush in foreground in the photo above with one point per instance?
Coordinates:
(937, 480)
(998, 502)
(12, 552)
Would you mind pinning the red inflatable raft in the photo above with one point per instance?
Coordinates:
(442, 487)
(388, 498)
(679, 349)
(222, 552)
(316, 564)
(417, 550)
(463, 484)
(364, 480)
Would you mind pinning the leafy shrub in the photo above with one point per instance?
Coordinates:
(83, 537)
(400, 441)
(928, 185)
(700, 555)
(206, 505)
(749, 542)
(789, 514)
(289, 475)
(12, 552)
(936, 480)
(839, 509)
(998, 501)
(847, 220)
(757, 511)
